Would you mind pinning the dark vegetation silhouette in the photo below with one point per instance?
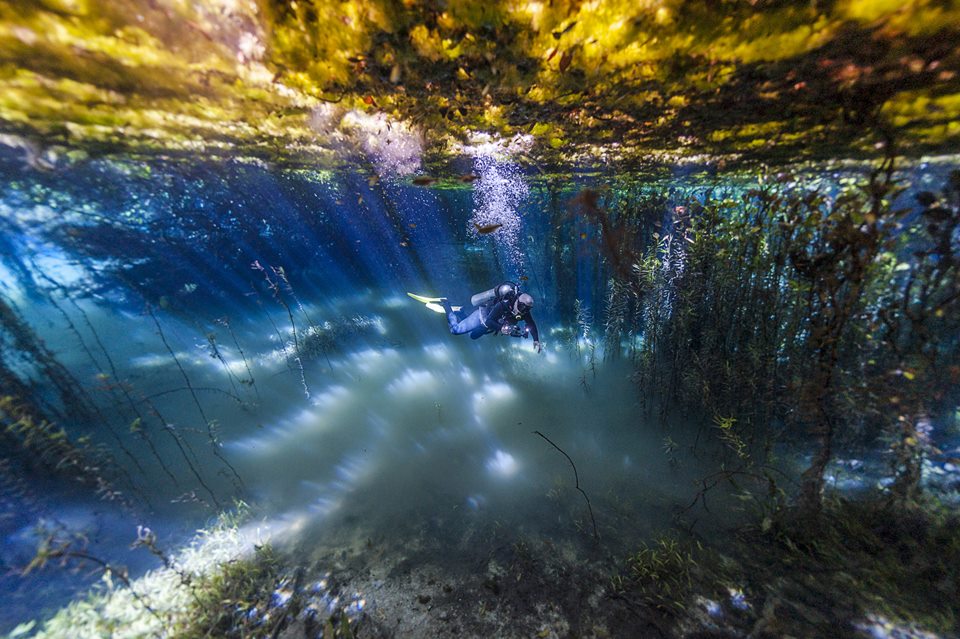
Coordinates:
(787, 312)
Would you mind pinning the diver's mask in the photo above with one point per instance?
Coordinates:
(523, 303)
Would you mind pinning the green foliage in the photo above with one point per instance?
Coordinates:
(729, 437)
(660, 575)
(208, 76)
(790, 303)
(51, 448)
(230, 602)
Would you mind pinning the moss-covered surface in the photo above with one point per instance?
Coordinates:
(598, 80)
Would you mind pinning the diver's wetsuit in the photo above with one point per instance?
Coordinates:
(489, 319)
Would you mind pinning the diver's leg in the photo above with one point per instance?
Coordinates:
(467, 325)
(452, 317)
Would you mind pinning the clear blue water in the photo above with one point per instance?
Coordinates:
(244, 331)
(158, 286)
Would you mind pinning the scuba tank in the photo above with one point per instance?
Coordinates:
(495, 294)
(483, 298)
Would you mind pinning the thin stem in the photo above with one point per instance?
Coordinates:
(214, 443)
(576, 478)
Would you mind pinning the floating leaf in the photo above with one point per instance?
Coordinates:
(22, 629)
(486, 228)
(556, 34)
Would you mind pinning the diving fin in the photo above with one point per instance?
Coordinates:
(436, 308)
(432, 303)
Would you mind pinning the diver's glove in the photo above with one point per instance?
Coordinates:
(537, 346)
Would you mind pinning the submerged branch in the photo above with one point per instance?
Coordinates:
(576, 478)
(214, 441)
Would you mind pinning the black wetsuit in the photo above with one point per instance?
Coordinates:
(490, 319)
(502, 314)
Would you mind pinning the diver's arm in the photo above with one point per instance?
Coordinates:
(534, 333)
(537, 346)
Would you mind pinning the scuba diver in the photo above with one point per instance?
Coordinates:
(499, 310)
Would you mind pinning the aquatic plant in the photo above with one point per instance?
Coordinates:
(231, 602)
(332, 335)
(216, 354)
(660, 575)
(157, 602)
(729, 437)
(224, 584)
(274, 286)
(751, 294)
(19, 342)
(670, 448)
(832, 249)
(209, 424)
(576, 476)
(115, 385)
(582, 339)
(65, 548)
(250, 381)
(861, 557)
(186, 451)
(17, 498)
(916, 357)
(616, 327)
(50, 447)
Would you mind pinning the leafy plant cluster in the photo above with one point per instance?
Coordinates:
(229, 602)
(791, 311)
(50, 448)
(661, 575)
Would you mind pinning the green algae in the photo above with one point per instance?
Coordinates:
(771, 78)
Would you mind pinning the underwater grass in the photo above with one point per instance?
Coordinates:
(660, 574)
(855, 566)
(866, 557)
(229, 601)
(170, 600)
(225, 584)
